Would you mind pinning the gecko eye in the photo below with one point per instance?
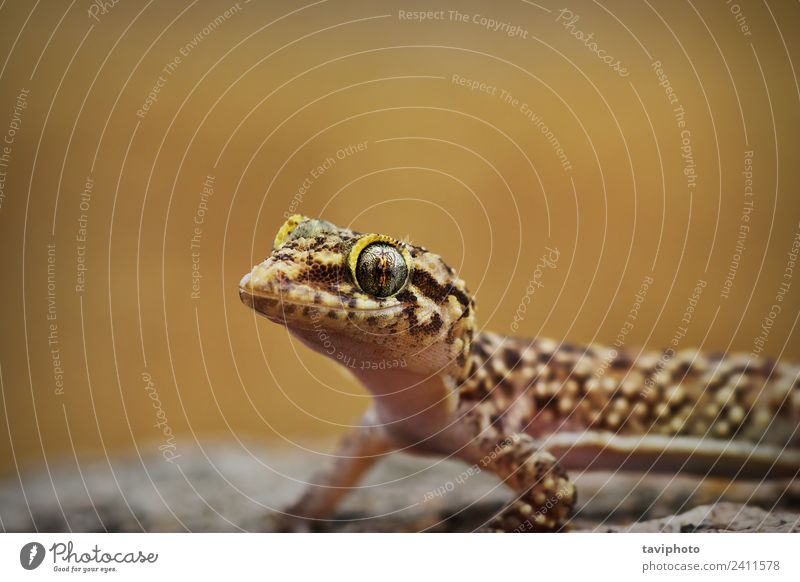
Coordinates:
(381, 269)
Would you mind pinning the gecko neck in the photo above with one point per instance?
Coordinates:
(416, 409)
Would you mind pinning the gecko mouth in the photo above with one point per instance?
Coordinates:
(284, 299)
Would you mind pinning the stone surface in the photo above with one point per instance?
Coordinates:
(241, 487)
(719, 517)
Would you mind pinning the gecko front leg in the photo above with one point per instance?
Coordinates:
(357, 452)
(545, 494)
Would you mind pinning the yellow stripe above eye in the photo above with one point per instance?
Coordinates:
(364, 242)
(287, 228)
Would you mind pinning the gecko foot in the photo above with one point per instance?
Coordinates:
(280, 522)
(545, 493)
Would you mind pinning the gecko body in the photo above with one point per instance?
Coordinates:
(526, 410)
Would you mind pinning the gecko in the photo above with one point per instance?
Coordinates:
(527, 410)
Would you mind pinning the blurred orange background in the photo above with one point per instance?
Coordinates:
(155, 149)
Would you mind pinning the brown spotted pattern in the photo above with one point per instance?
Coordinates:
(539, 386)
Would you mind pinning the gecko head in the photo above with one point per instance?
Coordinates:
(367, 300)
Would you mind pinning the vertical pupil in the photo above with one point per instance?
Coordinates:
(381, 270)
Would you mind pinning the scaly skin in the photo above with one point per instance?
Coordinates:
(526, 410)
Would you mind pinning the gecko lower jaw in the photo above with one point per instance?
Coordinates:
(278, 304)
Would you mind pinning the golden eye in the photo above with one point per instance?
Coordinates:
(379, 267)
(381, 270)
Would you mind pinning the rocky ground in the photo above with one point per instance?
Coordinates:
(224, 487)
